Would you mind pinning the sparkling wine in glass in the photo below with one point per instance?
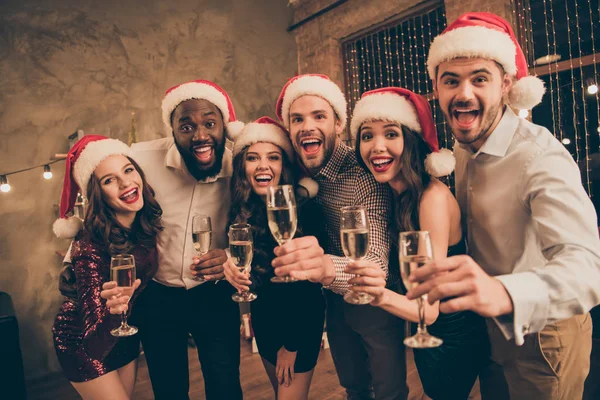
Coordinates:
(416, 251)
(283, 220)
(122, 271)
(354, 232)
(240, 249)
(202, 237)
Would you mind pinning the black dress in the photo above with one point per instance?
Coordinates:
(450, 370)
(286, 314)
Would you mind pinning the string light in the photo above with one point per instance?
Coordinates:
(558, 102)
(592, 29)
(573, 82)
(47, 173)
(4, 185)
(566, 141)
(554, 127)
(592, 88)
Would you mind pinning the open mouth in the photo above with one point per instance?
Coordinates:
(311, 145)
(465, 117)
(381, 164)
(130, 196)
(204, 153)
(263, 180)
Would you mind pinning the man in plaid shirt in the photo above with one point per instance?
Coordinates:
(366, 342)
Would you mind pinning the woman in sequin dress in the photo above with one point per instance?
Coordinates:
(287, 318)
(122, 217)
(396, 140)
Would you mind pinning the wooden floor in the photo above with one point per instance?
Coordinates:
(255, 384)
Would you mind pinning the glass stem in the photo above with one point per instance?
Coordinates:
(123, 320)
(422, 328)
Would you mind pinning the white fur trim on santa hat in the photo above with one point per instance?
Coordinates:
(526, 93)
(440, 163)
(317, 86)
(267, 133)
(67, 228)
(234, 129)
(193, 90)
(92, 155)
(473, 42)
(384, 107)
(307, 187)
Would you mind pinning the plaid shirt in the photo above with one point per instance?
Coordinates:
(343, 182)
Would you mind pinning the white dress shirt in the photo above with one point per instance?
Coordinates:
(530, 224)
(181, 196)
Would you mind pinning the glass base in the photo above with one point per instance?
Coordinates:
(357, 298)
(198, 279)
(124, 331)
(244, 297)
(283, 279)
(423, 340)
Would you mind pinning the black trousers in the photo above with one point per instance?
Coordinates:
(165, 316)
(367, 350)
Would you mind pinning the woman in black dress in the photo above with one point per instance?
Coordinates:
(287, 318)
(396, 141)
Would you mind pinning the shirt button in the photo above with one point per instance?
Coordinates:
(526, 329)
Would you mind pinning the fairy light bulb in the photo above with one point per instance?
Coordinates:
(4, 185)
(47, 172)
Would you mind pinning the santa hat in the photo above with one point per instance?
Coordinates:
(267, 130)
(202, 90)
(486, 35)
(81, 161)
(310, 84)
(408, 109)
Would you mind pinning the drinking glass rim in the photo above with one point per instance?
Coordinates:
(240, 226)
(407, 233)
(354, 208)
(122, 256)
(274, 187)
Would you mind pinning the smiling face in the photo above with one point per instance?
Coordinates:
(121, 186)
(314, 129)
(263, 166)
(381, 146)
(199, 135)
(470, 92)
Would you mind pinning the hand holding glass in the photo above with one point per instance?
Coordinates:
(354, 231)
(122, 271)
(202, 237)
(240, 248)
(281, 213)
(416, 251)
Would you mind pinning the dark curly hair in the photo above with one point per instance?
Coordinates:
(103, 228)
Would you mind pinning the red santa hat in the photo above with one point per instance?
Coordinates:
(267, 130)
(310, 84)
(81, 161)
(202, 90)
(411, 110)
(486, 35)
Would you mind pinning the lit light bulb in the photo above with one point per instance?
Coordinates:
(4, 185)
(47, 172)
(592, 89)
(523, 113)
(566, 141)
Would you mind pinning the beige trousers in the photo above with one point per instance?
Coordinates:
(551, 364)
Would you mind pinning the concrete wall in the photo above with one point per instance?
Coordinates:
(69, 64)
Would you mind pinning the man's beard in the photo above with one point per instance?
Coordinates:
(486, 122)
(328, 147)
(192, 164)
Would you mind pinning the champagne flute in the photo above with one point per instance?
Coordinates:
(281, 213)
(416, 251)
(122, 271)
(202, 237)
(240, 248)
(354, 231)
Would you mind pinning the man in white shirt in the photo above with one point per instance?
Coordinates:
(534, 263)
(190, 171)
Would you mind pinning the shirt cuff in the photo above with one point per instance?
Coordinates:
(339, 284)
(529, 295)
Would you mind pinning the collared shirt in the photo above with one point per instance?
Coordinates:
(181, 196)
(343, 182)
(530, 224)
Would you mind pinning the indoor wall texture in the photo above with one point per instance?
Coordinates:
(83, 64)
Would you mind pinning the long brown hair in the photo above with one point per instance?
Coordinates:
(248, 207)
(102, 226)
(412, 168)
